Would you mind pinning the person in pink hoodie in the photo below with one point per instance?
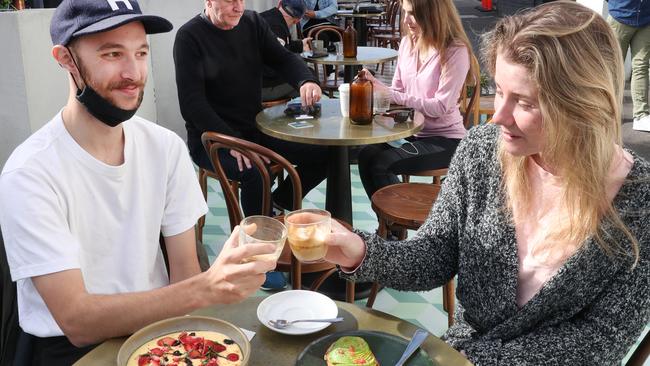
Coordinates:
(433, 63)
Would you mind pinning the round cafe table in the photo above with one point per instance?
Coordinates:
(335, 131)
(365, 56)
(271, 348)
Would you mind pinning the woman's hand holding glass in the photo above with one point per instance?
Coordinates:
(344, 247)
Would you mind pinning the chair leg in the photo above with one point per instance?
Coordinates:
(296, 271)
(203, 183)
(349, 291)
(448, 294)
(373, 295)
(382, 230)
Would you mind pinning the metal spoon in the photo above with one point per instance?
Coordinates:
(418, 337)
(283, 323)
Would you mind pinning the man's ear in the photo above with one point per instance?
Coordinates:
(63, 57)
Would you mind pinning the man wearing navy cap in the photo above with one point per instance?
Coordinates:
(84, 200)
(281, 18)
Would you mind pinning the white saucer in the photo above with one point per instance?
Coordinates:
(297, 304)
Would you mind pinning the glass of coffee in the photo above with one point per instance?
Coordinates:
(263, 229)
(307, 231)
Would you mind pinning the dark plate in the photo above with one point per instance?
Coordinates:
(387, 348)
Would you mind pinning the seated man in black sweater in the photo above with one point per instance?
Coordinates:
(219, 57)
(281, 18)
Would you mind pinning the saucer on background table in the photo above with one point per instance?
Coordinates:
(297, 304)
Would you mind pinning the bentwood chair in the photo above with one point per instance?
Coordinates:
(287, 262)
(329, 86)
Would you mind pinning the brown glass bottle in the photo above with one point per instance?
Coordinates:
(349, 41)
(361, 100)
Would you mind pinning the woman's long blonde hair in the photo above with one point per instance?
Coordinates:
(572, 55)
(441, 28)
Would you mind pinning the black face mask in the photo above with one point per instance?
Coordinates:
(98, 106)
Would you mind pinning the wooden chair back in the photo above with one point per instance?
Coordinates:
(287, 262)
(469, 105)
(213, 141)
(329, 86)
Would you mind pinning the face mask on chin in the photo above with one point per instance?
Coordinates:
(101, 108)
(98, 106)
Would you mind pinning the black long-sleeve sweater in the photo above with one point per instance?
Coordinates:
(281, 30)
(219, 75)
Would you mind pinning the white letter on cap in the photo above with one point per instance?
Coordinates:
(113, 4)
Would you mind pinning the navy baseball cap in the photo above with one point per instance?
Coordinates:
(74, 18)
(295, 8)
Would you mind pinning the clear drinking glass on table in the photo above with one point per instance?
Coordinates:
(263, 229)
(307, 231)
(381, 101)
(339, 49)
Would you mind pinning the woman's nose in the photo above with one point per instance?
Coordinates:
(502, 112)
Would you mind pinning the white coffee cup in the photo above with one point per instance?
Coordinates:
(344, 98)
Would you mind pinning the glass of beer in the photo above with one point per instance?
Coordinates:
(307, 231)
(263, 229)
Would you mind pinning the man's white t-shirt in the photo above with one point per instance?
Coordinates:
(61, 209)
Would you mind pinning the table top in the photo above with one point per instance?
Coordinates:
(271, 348)
(332, 129)
(365, 55)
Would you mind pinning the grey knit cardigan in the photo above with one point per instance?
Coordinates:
(589, 313)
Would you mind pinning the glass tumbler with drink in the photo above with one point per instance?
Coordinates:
(263, 229)
(307, 231)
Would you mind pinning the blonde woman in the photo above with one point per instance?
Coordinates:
(433, 61)
(543, 215)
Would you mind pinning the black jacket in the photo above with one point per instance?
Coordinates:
(279, 26)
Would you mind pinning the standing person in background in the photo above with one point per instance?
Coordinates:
(630, 20)
(433, 62)
(287, 14)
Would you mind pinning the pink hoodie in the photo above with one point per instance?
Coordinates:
(431, 91)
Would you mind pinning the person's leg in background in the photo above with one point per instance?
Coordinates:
(625, 34)
(380, 165)
(250, 181)
(640, 52)
(311, 165)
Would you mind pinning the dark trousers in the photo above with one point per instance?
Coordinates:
(380, 164)
(49, 351)
(311, 165)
